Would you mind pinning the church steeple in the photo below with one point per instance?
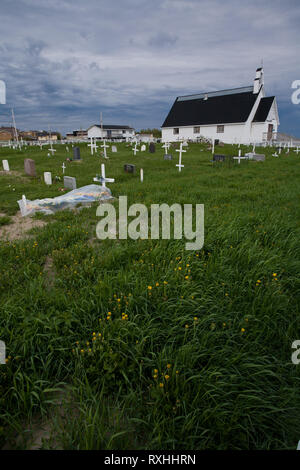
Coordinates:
(259, 80)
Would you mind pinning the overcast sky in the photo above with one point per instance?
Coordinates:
(65, 61)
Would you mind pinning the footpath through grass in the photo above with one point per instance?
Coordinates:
(123, 344)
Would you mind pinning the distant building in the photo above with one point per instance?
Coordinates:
(146, 138)
(111, 132)
(7, 133)
(77, 135)
(43, 136)
(241, 115)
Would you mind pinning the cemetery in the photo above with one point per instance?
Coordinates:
(141, 344)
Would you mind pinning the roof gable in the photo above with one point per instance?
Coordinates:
(232, 106)
(263, 109)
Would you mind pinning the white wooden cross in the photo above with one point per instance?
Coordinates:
(135, 149)
(166, 146)
(51, 149)
(213, 146)
(104, 146)
(275, 154)
(63, 167)
(297, 150)
(253, 150)
(142, 174)
(103, 179)
(93, 145)
(180, 155)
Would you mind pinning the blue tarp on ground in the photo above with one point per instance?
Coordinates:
(84, 195)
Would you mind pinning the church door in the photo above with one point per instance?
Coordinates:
(270, 131)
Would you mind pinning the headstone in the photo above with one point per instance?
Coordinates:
(143, 148)
(5, 165)
(128, 168)
(29, 167)
(221, 144)
(48, 177)
(168, 156)
(259, 157)
(217, 141)
(76, 153)
(69, 182)
(185, 144)
(152, 147)
(114, 149)
(218, 158)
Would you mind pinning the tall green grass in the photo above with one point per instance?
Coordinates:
(158, 347)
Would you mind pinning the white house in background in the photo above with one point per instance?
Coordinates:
(240, 115)
(145, 138)
(111, 132)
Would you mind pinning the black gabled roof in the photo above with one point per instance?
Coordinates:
(229, 106)
(263, 109)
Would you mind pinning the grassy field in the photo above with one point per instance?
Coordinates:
(123, 344)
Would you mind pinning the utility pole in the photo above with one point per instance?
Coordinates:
(14, 124)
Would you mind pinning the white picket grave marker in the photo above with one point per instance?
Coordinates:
(5, 165)
(142, 174)
(103, 179)
(180, 155)
(166, 146)
(63, 167)
(104, 146)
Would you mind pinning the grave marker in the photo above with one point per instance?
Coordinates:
(143, 148)
(168, 156)
(48, 177)
(218, 158)
(180, 156)
(152, 147)
(102, 179)
(142, 174)
(29, 167)
(5, 165)
(63, 167)
(114, 149)
(166, 146)
(76, 153)
(69, 182)
(104, 146)
(93, 145)
(129, 168)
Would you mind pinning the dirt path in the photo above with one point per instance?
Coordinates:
(19, 227)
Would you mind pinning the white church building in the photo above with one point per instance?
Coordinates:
(240, 115)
